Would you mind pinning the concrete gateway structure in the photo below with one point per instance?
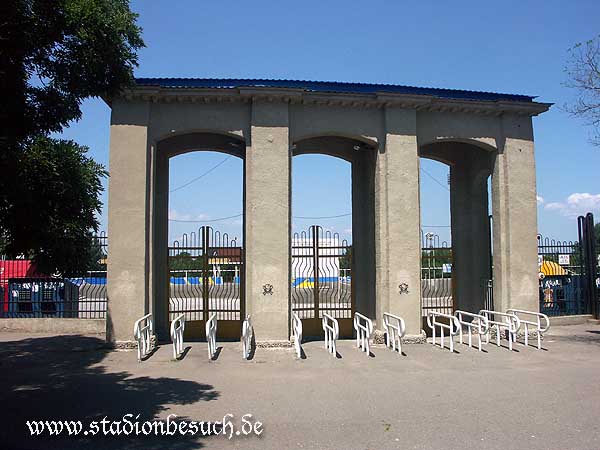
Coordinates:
(382, 130)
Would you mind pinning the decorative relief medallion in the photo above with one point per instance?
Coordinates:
(267, 289)
(403, 288)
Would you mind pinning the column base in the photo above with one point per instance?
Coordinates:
(379, 338)
(124, 345)
(274, 344)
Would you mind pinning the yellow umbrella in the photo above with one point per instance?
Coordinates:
(552, 268)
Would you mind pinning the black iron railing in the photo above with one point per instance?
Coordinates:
(206, 275)
(436, 275)
(321, 275)
(561, 283)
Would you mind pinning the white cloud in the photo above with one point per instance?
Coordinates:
(577, 204)
(540, 199)
(176, 215)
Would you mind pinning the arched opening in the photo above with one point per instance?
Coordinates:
(456, 255)
(333, 232)
(198, 241)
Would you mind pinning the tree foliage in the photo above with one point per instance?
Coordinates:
(57, 53)
(346, 259)
(583, 72)
(185, 261)
(185, 264)
(58, 175)
(53, 55)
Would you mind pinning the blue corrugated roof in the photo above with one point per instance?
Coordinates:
(329, 86)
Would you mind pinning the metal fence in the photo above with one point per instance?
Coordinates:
(487, 286)
(206, 276)
(436, 275)
(321, 275)
(561, 271)
(568, 273)
(25, 292)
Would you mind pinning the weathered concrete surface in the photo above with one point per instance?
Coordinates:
(54, 325)
(127, 219)
(470, 227)
(267, 221)
(515, 218)
(363, 232)
(428, 399)
(398, 221)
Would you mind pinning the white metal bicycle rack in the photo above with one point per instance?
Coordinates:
(508, 321)
(211, 335)
(332, 332)
(297, 334)
(143, 329)
(247, 335)
(177, 328)
(395, 328)
(364, 328)
(537, 324)
(477, 325)
(434, 319)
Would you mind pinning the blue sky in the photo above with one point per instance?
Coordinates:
(511, 46)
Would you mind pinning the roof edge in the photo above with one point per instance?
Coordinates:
(328, 86)
(420, 102)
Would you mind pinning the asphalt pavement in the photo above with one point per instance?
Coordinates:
(425, 399)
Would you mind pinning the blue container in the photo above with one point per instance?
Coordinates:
(35, 297)
(562, 295)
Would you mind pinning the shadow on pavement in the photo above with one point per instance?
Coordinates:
(58, 378)
(184, 353)
(217, 353)
(591, 337)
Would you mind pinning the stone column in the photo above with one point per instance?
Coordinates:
(470, 229)
(267, 221)
(398, 220)
(128, 219)
(515, 218)
(363, 232)
(159, 261)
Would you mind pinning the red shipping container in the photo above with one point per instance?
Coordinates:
(13, 268)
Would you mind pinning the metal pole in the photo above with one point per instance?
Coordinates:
(316, 268)
(591, 263)
(583, 263)
(205, 271)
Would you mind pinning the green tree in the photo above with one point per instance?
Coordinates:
(98, 255)
(59, 188)
(433, 260)
(53, 55)
(346, 259)
(185, 261)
